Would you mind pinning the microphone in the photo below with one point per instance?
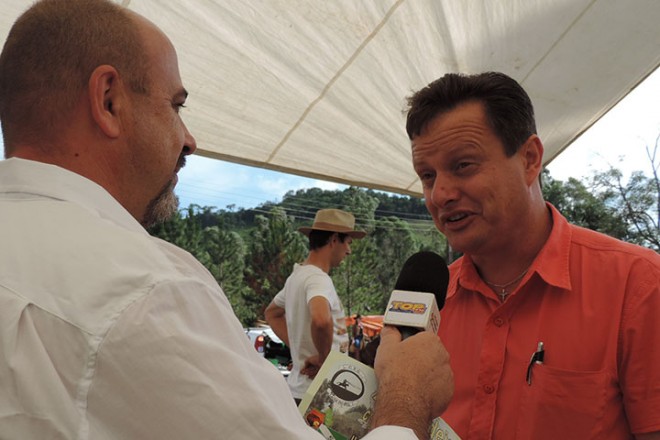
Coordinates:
(420, 287)
(419, 294)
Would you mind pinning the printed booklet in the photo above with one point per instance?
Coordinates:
(340, 400)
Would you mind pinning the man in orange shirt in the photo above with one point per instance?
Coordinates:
(553, 330)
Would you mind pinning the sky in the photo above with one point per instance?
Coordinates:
(622, 134)
(619, 138)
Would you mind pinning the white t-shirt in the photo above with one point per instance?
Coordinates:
(109, 333)
(305, 283)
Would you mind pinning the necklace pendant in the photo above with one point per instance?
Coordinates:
(503, 294)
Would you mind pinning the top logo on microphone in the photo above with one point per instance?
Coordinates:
(408, 307)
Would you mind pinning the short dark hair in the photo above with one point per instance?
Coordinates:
(48, 56)
(507, 106)
(318, 238)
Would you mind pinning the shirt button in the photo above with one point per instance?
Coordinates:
(499, 322)
(489, 389)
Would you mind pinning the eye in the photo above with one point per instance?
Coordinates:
(465, 166)
(427, 178)
(179, 106)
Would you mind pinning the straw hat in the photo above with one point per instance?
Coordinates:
(334, 220)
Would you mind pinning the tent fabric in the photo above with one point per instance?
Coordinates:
(318, 88)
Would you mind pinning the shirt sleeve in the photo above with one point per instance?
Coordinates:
(177, 364)
(639, 353)
(280, 299)
(391, 432)
(319, 285)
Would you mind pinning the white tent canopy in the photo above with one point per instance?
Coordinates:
(317, 87)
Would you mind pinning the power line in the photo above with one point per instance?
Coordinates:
(301, 209)
(415, 227)
(309, 205)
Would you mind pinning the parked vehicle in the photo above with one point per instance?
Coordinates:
(271, 347)
(364, 334)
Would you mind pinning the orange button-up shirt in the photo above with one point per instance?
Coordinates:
(595, 304)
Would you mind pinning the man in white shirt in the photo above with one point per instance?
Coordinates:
(307, 313)
(106, 332)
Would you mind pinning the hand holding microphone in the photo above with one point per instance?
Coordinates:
(415, 380)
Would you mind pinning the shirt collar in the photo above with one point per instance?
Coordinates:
(551, 263)
(44, 180)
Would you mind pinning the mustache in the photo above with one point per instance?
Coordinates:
(180, 163)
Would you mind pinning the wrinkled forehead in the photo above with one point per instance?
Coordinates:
(467, 117)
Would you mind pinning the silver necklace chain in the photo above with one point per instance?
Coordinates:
(503, 287)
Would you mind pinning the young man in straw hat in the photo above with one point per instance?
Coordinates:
(307, 314)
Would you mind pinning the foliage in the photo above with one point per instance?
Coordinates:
(251, 252)
(226, 261)
(251, 255)
(272, 251)
(606, 202)
(365, 281)
(637, 200)
(581, 207)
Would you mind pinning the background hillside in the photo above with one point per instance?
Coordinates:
(251, 252)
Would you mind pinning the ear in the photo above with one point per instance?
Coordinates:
(105, 99)
(532, 156)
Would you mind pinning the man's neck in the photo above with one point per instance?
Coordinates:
(319, 259)
(504, 264)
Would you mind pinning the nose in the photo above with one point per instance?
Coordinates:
(442, 193)
(189, 142)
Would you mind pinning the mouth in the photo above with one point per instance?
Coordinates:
(454, 217)
(456, 220)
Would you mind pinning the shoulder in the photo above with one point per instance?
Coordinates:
(601, 248)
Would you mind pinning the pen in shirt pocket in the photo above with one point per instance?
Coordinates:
(537, 358)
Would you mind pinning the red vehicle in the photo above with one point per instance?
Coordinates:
(271, 347)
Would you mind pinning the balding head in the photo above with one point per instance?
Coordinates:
(47, 60)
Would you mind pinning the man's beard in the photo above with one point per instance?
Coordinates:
(162, 207)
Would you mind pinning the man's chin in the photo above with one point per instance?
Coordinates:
(456, 244)
(162, 208)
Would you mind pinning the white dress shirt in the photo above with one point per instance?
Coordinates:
(109, 333)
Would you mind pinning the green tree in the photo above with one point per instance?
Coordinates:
(362, 205)
(354, 280)
(226, 252)
(273, 249)
(637, 200)
(184, 231)
(366, 278)
(582, 207)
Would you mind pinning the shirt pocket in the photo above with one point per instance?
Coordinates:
(562, 401)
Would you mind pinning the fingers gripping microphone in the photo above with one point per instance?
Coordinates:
(419, 294)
